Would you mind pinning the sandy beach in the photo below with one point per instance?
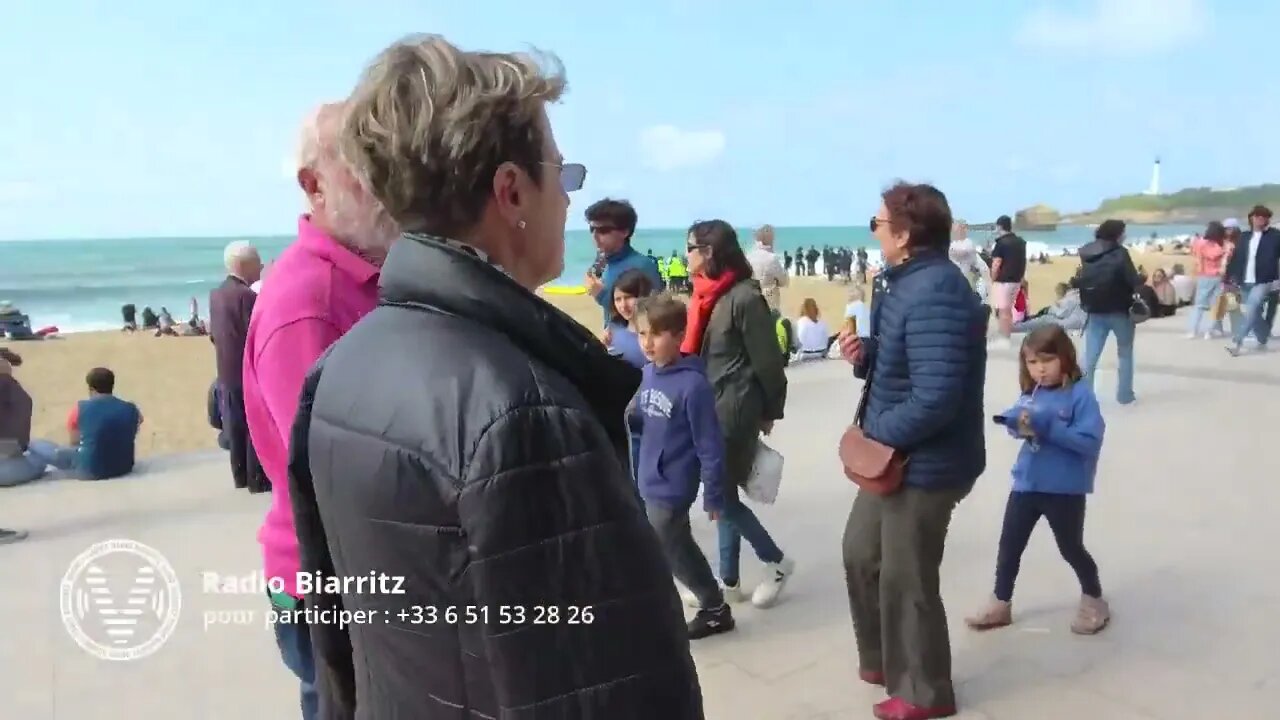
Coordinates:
(168, 377)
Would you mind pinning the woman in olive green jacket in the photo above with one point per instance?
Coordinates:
(731, 328)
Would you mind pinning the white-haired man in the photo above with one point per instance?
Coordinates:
(320, 286)
(767, 267)
(230, 307)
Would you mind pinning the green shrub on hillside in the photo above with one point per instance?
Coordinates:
(1244, 197)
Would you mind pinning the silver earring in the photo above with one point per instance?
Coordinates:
(520, 224)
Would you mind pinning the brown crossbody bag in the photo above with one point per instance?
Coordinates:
(873, 466)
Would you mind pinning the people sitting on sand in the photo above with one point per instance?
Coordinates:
(813, 337)
(165, 324)
(1065, 312)
(14, 323)
(16, 465)
(103, 433)
(194, 325)
(129, 313)
(1166, 298)
(1184, 287)
(149, 319)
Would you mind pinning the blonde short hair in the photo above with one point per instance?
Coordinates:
(429, 124)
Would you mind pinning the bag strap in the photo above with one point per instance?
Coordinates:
(861, 412)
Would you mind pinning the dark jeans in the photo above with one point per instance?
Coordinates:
(687, 562)
(245, 469)
(294, 640)
(736, 522)
(892, 554)
(1065, 514)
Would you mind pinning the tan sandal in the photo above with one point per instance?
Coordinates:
(996, 614)
(1092, 617)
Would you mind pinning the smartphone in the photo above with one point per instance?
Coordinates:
(851, 326)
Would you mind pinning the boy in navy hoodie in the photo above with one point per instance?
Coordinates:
(680, 448)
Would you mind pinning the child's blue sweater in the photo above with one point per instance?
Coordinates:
(1063, 458)
(680, 441)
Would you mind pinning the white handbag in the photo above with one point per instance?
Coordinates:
(766, 475)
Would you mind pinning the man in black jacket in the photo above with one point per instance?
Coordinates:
(463, 448)
(1107, 281)
(230, 307)
(1254, 269)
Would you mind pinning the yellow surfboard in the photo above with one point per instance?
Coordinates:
(564, 290)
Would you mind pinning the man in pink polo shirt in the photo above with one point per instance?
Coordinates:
(320, 286)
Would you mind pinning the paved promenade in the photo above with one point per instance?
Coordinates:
(1183, 527)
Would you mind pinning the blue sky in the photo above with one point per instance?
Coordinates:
(164, 118)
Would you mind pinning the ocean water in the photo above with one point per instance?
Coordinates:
(80, 285)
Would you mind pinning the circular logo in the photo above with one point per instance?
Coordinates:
(120, 600)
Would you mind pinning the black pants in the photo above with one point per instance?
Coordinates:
(687, 562)
(245, 469)
(1065, 514)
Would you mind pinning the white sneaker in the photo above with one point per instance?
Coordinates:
(1193, 336)
(776, 575)
(731, 595)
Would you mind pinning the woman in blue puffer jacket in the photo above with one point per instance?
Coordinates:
(926, 365)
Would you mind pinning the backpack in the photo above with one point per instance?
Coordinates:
(1103, 287)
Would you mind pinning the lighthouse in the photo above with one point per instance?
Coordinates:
(1155, 179)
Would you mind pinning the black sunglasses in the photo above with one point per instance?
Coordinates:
(877, 222)
(601, 229)
(572, 176)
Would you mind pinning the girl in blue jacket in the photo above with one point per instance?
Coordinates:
(1061, 428)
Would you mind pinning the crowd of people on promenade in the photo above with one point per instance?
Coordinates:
(416, 410)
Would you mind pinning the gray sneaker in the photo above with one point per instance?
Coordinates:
(11, 536)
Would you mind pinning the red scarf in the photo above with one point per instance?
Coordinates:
(706, 291)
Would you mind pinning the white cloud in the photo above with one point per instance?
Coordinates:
(1118, 27)
(667, 147)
